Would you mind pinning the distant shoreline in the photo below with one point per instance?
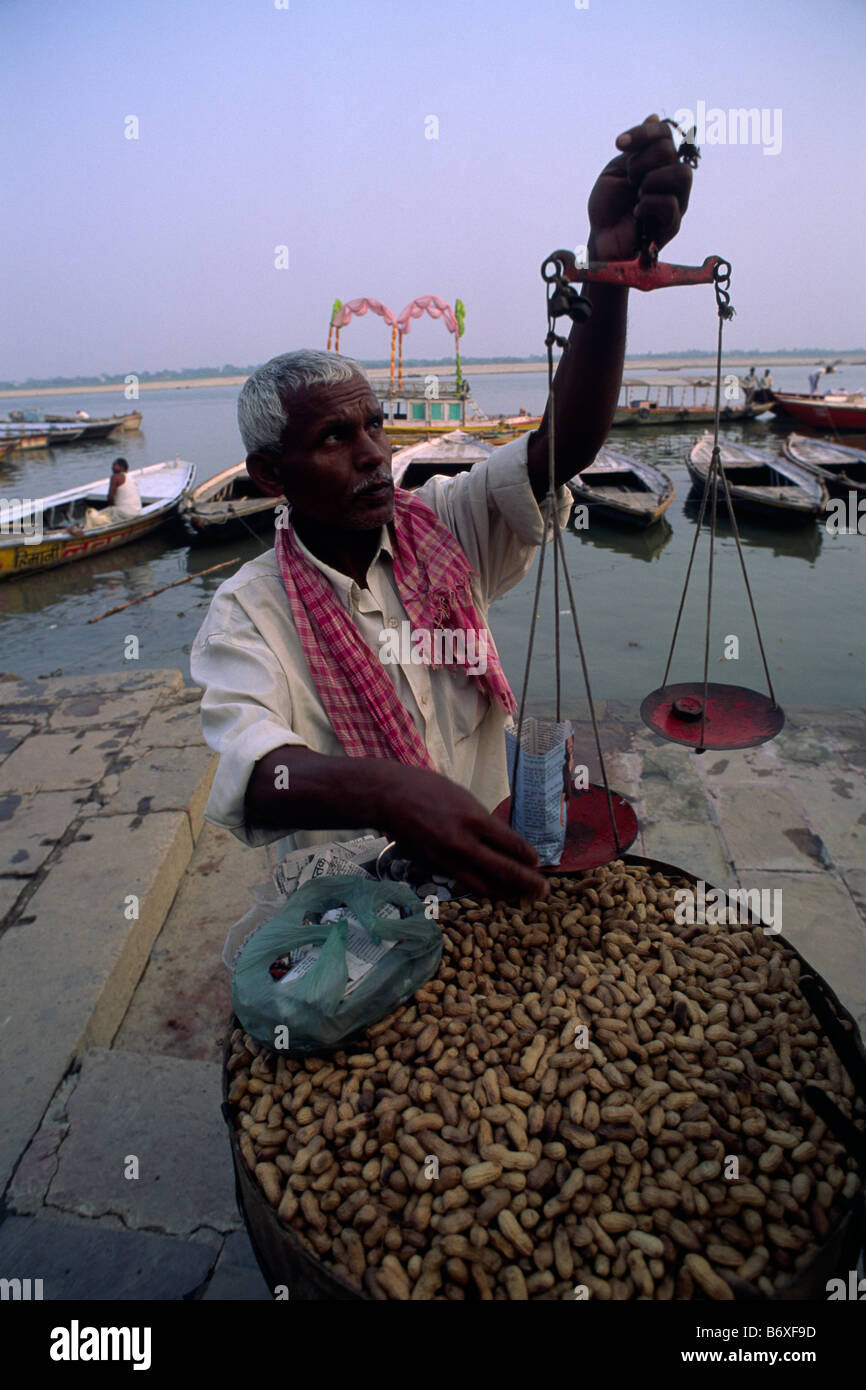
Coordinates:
(378, 374)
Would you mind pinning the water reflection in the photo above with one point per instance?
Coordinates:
(646, 544)
(800, 542)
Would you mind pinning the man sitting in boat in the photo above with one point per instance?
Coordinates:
(123, 497)
(318, 732)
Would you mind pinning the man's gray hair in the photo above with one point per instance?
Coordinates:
(263, 403)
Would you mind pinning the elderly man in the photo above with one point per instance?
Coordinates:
(316, 734)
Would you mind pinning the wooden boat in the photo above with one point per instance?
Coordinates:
(130, 421)
(23, 436)
(759, 482)
(843, 469)
(836, 410)
(665, 400)
(160, 485)
(448, 454)
(61, 435)
(622, 488)
(55, 436)
(227, 507)
(413, 412)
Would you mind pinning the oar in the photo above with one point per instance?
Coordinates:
(119, 607)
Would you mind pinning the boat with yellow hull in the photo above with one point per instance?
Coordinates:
(430, 406)
(41, 533)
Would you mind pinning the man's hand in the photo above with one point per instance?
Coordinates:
(449, 831)
(646, 183)
(434, 820)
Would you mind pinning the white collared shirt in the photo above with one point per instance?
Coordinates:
(258, 690)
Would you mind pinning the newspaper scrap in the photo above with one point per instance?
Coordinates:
(362, 951)
(345, 857)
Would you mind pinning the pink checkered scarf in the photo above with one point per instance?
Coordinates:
(361, 703)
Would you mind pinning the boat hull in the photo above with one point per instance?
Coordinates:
(782, 512)
(623, 516)
(50, 552)
(627, 417)
(827, 414)
(209, 530)
(502, 432)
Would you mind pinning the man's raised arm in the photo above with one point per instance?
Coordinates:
(646, 184)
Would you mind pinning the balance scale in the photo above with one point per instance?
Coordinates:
(699, 714)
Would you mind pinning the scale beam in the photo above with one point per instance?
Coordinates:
(645, 272)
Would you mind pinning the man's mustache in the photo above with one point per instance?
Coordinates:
(372, 483)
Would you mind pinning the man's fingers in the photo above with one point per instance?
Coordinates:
(658, 154)
(502, 838)
(498, 869)
(650, 129)
(669, 178)
(665, 213)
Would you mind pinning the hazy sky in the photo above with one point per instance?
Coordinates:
(306, 127)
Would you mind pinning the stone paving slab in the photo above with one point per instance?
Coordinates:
(69, 965)
(765, 829)
(57, 762)
(10, 891)
(97, 708)
(671, 788)
(173, 725)
(802, 741)
(13, 734)
(837, 807)
(164, 779)
(79, 1260)
(182, 1004)
(30, 827)
(32, 1178)
(165, 1113)
(623, 772)
(855, 882)
(237, 1277)
(697, 849)
(19, 694)
(820, 919)
(734, 766)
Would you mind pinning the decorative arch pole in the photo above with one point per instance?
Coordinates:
(460, 316)
(337, 306)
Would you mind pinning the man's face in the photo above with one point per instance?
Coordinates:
(336, 466)
(117, 470)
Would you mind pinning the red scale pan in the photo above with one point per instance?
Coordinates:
(589, 834)
(732, 716)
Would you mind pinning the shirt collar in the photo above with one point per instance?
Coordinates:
(343, 583)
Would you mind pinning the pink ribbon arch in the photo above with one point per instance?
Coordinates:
(434, 306)
(359, 307)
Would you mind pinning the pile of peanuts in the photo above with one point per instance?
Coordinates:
(588, 1100)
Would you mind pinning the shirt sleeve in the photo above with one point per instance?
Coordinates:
(246, 710)
(492, 511)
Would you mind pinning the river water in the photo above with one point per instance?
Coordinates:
(808, 584)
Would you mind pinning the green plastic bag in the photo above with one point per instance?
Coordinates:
(313, 1010)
